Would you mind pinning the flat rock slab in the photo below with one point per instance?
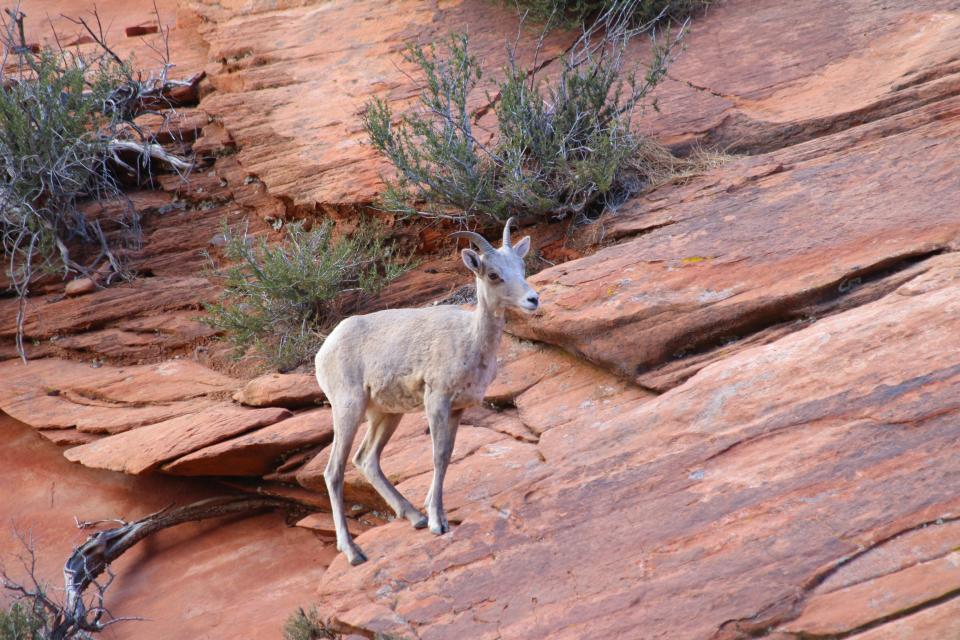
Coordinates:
(116, 303)
(322, 523)
(290, 390)
(185, 580)
(579, 389)
(928, 542)
(257, 453)
(287, 108)
(61, 394)
(67, 437)
(147, 448)
(720, 265)
(522, 364)
(144, 339)
(746, 83)
(140, 384)
(886, 596)
(712, 510)
(941, 621)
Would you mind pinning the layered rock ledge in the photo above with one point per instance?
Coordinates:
(736, 418)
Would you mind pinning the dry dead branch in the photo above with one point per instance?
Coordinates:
(82, 613)
(68, 134)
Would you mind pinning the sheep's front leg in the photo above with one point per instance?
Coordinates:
(443, 431)
(347, 414)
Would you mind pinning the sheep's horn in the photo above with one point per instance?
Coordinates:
(477, 239)
(506, 231)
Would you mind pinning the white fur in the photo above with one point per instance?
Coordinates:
(440, 359)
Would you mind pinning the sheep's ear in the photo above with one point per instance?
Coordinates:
(472, 259)
(522, 247)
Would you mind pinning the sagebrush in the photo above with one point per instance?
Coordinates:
(644, 12)
(68, 136)
(279, 298)
(307, 625)
(564, 146)
(22, 622)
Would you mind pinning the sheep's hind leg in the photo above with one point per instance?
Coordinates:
(443, 432)
(346, 420)
(367, 460)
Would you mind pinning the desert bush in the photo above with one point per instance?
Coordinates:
(563, 146)
(574, 12)
(67, 135)
(20, 622)
(307, 625)
(279, 298)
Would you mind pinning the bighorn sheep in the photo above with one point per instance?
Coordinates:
(397, 361)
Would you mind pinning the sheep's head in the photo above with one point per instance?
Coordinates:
(499, 272)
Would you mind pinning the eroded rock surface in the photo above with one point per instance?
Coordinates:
(259, 452)
(753, 85)
(736, 419)
(713, 510)
(722, 260)
(291, 93)
(59, 394)
(240, 576)
(142, 450)
(291, 390)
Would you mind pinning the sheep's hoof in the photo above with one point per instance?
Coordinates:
(414, 517)
(355, 556)
(358, 559)
(439, 528)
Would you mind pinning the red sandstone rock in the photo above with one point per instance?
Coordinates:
(727, 494)
(747, 83)
(857, 605)
(929, 542)
(79, 287)
(520, 365)
(144, 449)
(55, 394)
(579, 390)
(239, 577)
(287, 470)
(506, 421)
(296, 127)
(791, 474)
(145, 295)
(257, 453)
(291, 390)
(322, 523)
(67, 437)
(720, 267)
(408, 454)
(280, 490)
(941, 621)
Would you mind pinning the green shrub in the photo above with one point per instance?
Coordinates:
(52, 155)
(279, 299)
(66, 135)
(563, 147)
(574, 12)
(20, 622)
(307, 625)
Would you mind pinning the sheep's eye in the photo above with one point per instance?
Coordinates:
(494, 277)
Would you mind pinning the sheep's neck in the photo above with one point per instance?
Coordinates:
(488, 322)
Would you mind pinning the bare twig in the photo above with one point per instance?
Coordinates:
(144, 150)
(77, 616)
(98, 36)
(67, 134)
